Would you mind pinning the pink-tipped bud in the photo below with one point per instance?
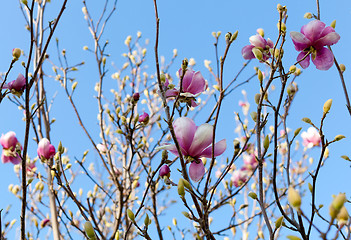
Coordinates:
(136, 96)
(144, 118)
(45, 149)
(165, 171)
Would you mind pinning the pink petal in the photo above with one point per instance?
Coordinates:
(324, 59)
(304, 63)
(188, 77)
(246, 52)
(202, 139)
(327, 40)
(173, 149)
(197, 84)
(196, 170)
(258, 41)
(184, 129)
(171, 93)
(220, 147)
(313, 29)
(300, 41)
(270, 43)
(14, 160)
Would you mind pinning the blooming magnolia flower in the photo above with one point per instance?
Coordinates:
(311, 138)
(165, 171)
(239, 177)
(250, 160)
(16, 86)
(195, 142)
(193, 85)
(144, 118)
(11, 148)
(45, 149)
(102, 148)
(311, 40)
(257, 43)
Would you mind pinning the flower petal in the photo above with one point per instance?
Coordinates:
(184, 129)
(300, 41)
(246, 52)
(327, 40)
(8, 140)
(196, 170)
(313, 30)
(202, 139)
(188, 77)
(220, 147)
(258, 41)
(197, 84)
(324, 59)
(172, 148)
(304, 63)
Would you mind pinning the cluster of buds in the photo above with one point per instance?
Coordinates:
(337, 209)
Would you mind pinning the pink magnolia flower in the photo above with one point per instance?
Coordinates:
(250, 160)
(45, 149)
(144, 118)
(102, 148)
(165, 171)
(11, 148)
(311, 138)
(257, 42)
(312, 39)
(193, 85)
(239, 177)
(16, 86)
(195, 142)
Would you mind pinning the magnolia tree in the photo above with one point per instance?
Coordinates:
(154, 153)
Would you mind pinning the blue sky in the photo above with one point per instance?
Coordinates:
(186, 26)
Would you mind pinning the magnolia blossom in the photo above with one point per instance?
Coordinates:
(165, 171)
(195, 142)
(11, 148)
(144, 118)
(257, 43)
(239, 177)
(311, 138)
(193, 84)
(250, 160)
(45, 149)
(311, 40)
(16, 86)
(102, 148)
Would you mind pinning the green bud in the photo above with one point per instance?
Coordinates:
(259, 75)
(342, 67)
(294, 198)
(281, 26)
(74, 85)
(147, 220)
(185, 64)
(333, 23)
(131, 215)
(279, 222)
(292, 68)
(89, 230)
(310, 187)
(234, 36)
(307, 120)
(187, 184)
(327, 105)
(253, 195)
(343, 215)
(258, 53)
(339, 137)
(339, 201)
(254, 116)
(333, 212)
(186, 214)
(297, 131)
(117, 235)
(266, 142)
(181, 190)
(290, 237)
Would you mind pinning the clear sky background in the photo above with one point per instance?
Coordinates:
(186, 26)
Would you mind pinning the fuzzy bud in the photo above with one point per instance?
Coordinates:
(131, 215)
(16, 53)
(181, 190)
(342, 67)
(279, 222)
(339, 201)
(294, 198)
(308, 15)
(292, 69)
(89, 230)
(327, 105)
(253, 195)
(258, 53)
(333, 23)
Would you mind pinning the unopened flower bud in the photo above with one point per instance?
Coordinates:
(25, 2)
(294, 198)
(144, 118)
(89, 230)
(259, 75)
(327, 105)
(257, 98)
(297, 72)
(181, 190)
(16, 53)
(339, 201)
(234, 36)
(279, 222)
(147, 220)
(266, 142)
(254, 116)
(342, 67)
(185, 64)
(258, 53)
(136, 96)
(260, 31)
(165, 171)
(281, 26)
(343, 215)
(308, 15)
(292, 69)
(186, 214)
(131, 215)
(253, 195)
(333, 23)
